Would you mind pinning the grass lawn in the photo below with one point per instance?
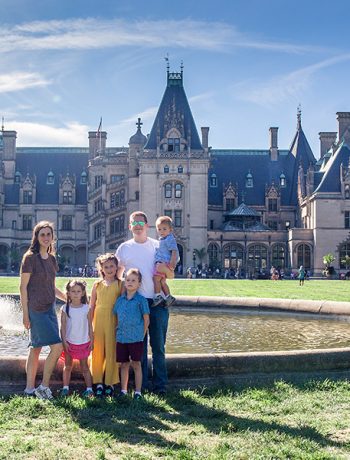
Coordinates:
(312, 290)
(283, 421)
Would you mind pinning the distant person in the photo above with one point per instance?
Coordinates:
(77, 335)
(132, 312)
(104, 294)
(139, 252)
(301, 275)
(38, 294)
(166, 257)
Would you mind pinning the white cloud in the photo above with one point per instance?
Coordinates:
(95, 33)
(283, 87)
(16, 81)
(35, 134)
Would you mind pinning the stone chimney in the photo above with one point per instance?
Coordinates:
(97, 143)
(274, 144)
(343, 126)
(327, 139)
(205, 133)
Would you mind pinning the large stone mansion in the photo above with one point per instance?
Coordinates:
(242, 209)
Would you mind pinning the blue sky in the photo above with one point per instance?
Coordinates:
(247, 66)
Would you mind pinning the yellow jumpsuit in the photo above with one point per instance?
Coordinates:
(103, 357)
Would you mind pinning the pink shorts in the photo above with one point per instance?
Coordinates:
(79, 351)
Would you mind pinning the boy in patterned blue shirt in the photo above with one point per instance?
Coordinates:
(132, 313)
(166, 258)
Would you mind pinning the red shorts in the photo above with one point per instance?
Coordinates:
(78, 351)
(127, 351)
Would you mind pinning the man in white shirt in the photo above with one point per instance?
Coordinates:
(139, 252)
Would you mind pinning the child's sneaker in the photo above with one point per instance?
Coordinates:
(99, 391)
(157, 300)
(138, 396)
(169, 300)
(64, 392)
(109, 391)
(88, 393)
(29, 394)
(43, 392)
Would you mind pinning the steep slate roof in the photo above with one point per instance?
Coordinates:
(175, 104)
(330, 181)
(302, 152)
(243, 210)
(39, 162)
(234, 165)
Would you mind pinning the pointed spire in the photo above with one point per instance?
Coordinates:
(2, 124)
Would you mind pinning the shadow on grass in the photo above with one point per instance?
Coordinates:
(147, 421)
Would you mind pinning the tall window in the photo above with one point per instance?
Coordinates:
(180, 169)
(115, 199)
(304, 256)
(98, 181)
(230, 204)
(27, 197)
(178, 218)
(233, 256)
(282, 180)
(257, 257)
(98, 205)
(114, 225)
(166, 169)
(213, 253)
(83, 178)
(178, 191)
(67, 222)
(50, 180)
(347, 219)
(168, 212)
(97, 231)
(173, 144)
(272, 204)
(278, 256)
(67, 197)
(249, 181)
(27, 222)
(168, 190)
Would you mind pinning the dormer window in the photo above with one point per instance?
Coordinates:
(50, 178)
(249, 180)
(213, 180)
(83, 178)
(180, 169)
(282, 180)
(173, 144)
(166, 169)
(17, 177)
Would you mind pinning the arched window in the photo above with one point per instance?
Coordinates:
(233, 256)
(83, 178)
(168, 190)
(213, 253)
(304, 256)
(17, 177)
(249, 183)
(278, 256)
(166, 169)
(347, 191)
(180, 169)
(343, 252)
(213, 180)
(178, 191)
(257, 257)
(282, 180)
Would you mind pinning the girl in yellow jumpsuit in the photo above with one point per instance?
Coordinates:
(104, 368)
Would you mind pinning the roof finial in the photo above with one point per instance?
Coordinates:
(2, 125)
(167, 62)
(299, 116)
(139, 124)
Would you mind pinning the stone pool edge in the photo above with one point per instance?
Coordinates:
(187, 370)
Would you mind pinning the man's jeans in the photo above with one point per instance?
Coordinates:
(158, 327)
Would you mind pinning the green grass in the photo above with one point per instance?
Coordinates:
(312, 290)
(283, 421)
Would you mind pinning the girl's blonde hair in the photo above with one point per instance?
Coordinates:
(103, 259)
(34, 247)
(69, 285)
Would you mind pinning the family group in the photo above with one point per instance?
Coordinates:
(108, 334)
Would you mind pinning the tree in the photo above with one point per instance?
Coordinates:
(328, 259)
(200, 254)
